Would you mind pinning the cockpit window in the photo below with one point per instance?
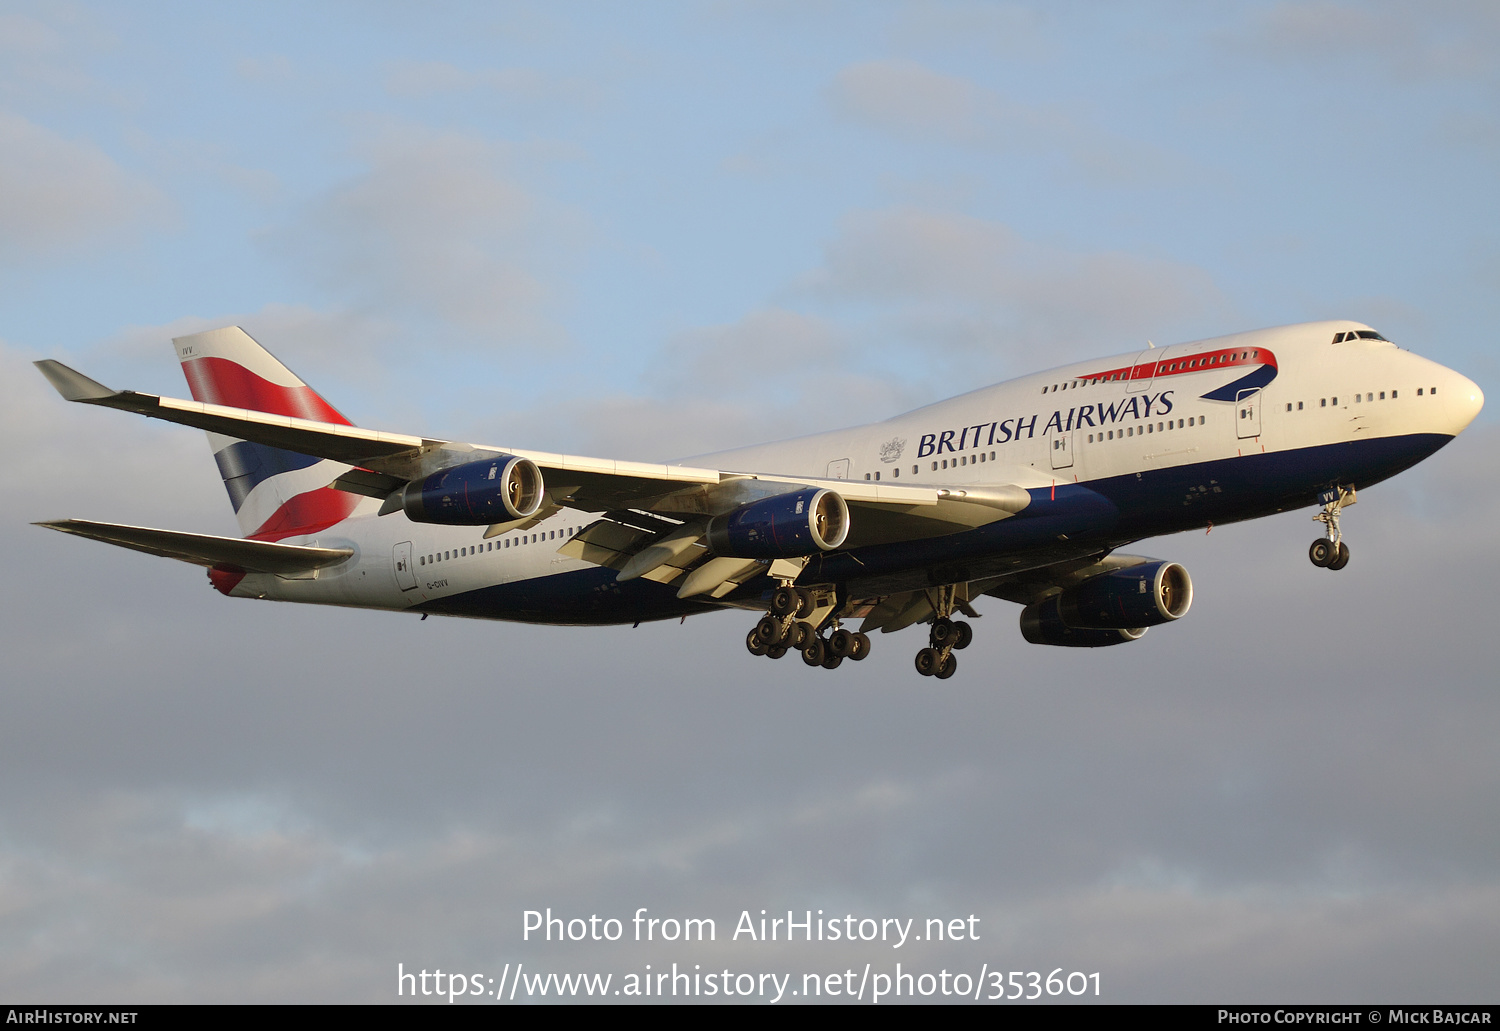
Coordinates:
(1358, 334)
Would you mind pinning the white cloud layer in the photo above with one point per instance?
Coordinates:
(979, 283)
(440, 227)
(59, 195)
(1454, 39)
(912, 101)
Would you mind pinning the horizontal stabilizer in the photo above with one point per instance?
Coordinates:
(202, 549)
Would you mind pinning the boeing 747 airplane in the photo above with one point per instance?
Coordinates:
(1022, 491)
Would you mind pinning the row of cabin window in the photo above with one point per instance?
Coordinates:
(444, 556)
(1183, 365)
(943, 464)
(1136, 431)
(1358, 398)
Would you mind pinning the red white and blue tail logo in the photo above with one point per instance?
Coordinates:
(275, 493)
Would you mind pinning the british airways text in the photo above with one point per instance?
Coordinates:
(985, 434)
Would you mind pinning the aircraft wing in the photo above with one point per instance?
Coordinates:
(202, 549)
(385, 461)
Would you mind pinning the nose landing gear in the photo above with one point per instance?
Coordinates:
(1331, 552)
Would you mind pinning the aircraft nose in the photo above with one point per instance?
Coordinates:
(1467, 401)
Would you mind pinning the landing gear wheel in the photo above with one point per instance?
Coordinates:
(1322, 552)
(840, 643)
(964, 637)
(776, 651)
(814, 652)
(784, 601)
(949, 667)
(806, 603)
(833, 661)
(753, 642)
(1342, 559)
(800, 635)
(943, 631)
(860, 648)
(927, 661)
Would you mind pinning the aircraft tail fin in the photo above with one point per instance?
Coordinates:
(275, 493)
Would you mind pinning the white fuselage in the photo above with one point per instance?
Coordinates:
(1087, 423)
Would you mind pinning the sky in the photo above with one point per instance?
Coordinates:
(652, 230)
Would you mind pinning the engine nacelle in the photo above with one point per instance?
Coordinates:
(496, 490)
(1041, 624)
(785, 526)
(1143, 595)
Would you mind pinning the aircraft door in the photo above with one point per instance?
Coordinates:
(406, 577)
(838, 469)
(1143, 371)
(1247, 413)
(1062, 449)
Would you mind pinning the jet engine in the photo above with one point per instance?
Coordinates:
(1110, 608)
(784, 526)
(1041, 624)
(496, 490)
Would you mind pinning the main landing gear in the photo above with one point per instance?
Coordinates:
(1331, 552)
(796, 617)
(948, 635)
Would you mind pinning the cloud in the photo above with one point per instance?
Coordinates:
(42, 55)
(425, 79)
(58, 196)
(1453, 40)
(911, 101)
(441, 227)
(979, 284)
(1010, 30)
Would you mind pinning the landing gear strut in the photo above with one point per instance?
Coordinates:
(947, 636)
(1331, 552)
(797, 616)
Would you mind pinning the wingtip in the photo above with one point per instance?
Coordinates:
(72, 384)
(60, 525)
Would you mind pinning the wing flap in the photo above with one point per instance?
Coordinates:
(206, 550)
(605, 543)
